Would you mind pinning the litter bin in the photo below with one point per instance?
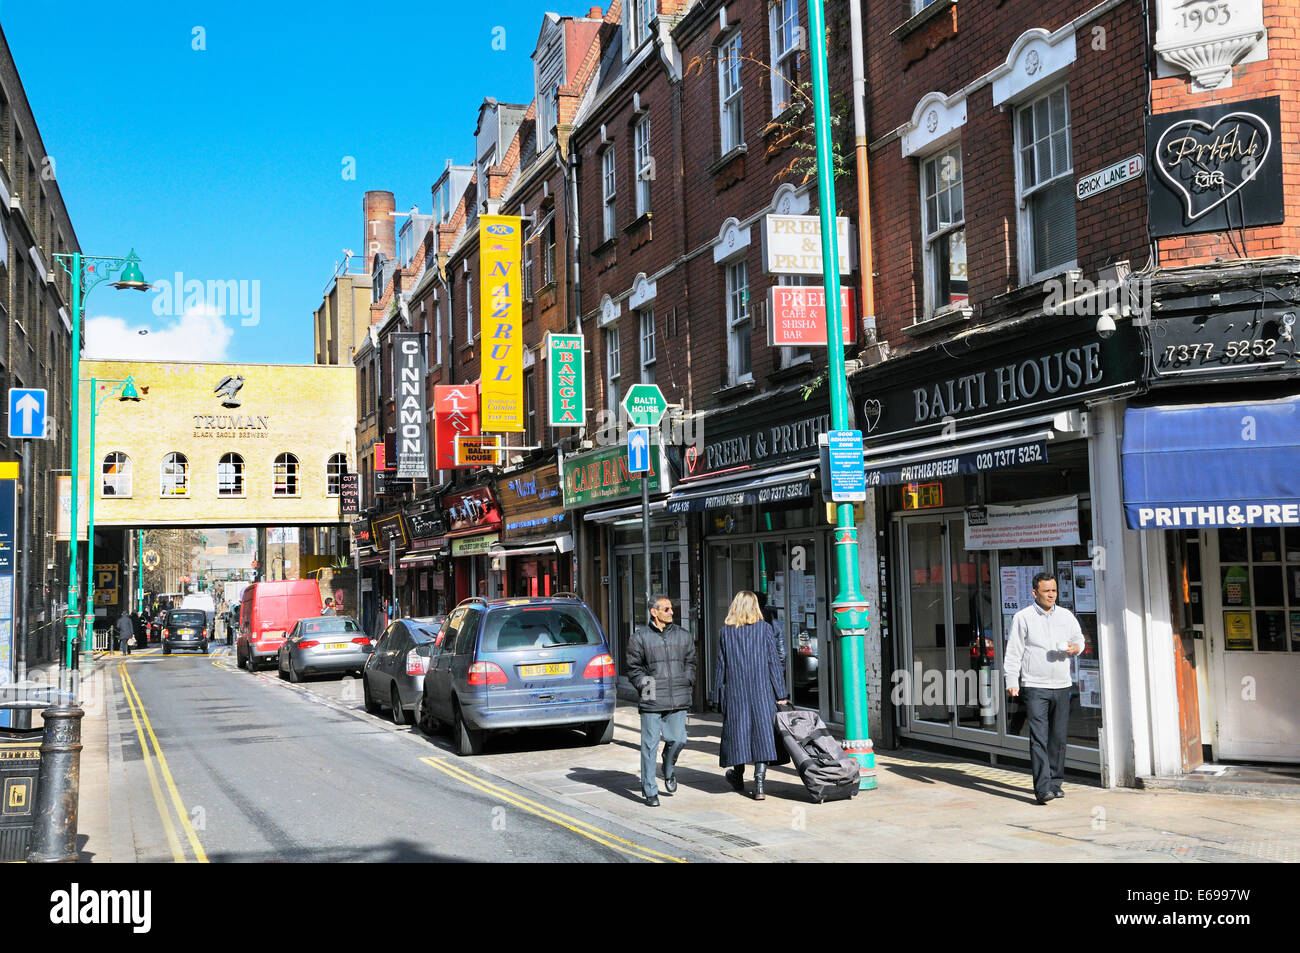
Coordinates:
(20, 763)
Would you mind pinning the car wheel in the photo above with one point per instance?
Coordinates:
(205, 648)
(423, 717)
(252, 663)
(167, 650)
(372, 706)
(294, 675)
(468, 740)
(600, 732)
(399, 713)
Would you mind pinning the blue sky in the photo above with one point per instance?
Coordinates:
(227, 163)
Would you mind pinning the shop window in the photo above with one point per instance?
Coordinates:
(609, 194)
(729, 104)
(1259, 579)
(739, 366)
(943, 231)
(1045, 182)
(783, 17)
(286, 475)
(175, 475)
(116, 477)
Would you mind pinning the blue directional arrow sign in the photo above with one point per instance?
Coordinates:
(26, 412)
(638, 449)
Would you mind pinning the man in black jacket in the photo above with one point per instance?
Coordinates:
(661, 666)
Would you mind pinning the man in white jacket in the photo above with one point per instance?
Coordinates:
(1043, 637)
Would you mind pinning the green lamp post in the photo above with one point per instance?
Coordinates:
(86, 272)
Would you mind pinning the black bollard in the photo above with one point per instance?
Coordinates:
(54, 839)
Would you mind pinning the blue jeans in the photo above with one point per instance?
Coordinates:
(672, 726)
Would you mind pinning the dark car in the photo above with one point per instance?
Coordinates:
(520, 663)
(185, 629)
(394, 673)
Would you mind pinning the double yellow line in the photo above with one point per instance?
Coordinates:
(142, 727)
(589, 831)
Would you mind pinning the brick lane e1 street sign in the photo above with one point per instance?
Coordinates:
(645, 405)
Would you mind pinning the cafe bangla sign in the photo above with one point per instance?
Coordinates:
(1215, 168)
(566, 374)
(603, 476)
(503, 335)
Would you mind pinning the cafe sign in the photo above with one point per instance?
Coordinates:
(797, 316)
(792, 245)
(565, 372)
(1215, 168)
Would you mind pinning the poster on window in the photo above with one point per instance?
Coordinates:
(1089, 685)
(1065, 583)
(1237, 632)
(1085, 586)
(1053, 522)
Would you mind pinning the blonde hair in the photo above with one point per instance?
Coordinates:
(744, 609)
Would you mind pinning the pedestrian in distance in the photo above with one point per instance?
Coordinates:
(329, 607)
(125, 633)
(661, 666)
(749, 684)
(1043, 637)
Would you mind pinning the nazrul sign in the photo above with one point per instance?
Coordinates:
(503, 335)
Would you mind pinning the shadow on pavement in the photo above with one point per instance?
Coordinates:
(960, 779)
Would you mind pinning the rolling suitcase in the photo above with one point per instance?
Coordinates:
(827, 772)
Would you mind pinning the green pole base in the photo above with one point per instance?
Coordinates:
(865, 755)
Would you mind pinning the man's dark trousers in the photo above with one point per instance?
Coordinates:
(672, 726)
(1049, 724)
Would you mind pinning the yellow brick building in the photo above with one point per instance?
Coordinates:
(218, 444)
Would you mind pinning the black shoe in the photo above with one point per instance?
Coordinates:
(760, 775)
(737, 781)
(1044, 800)
(652, 801)
(1057, 793)
(670, 782)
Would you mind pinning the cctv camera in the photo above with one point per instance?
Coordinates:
(1106, 324)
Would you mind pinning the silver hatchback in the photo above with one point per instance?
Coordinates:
(326, 644)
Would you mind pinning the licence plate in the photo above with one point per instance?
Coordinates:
(338, 645)
(555, 668)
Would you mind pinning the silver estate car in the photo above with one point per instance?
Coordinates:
(394, 674)
(330, 643)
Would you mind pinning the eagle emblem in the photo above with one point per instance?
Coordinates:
(229, 388)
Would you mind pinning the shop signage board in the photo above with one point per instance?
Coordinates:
(645, 405)
(1215, 168)
(361, 532)
(1053, 522)
(567, 404)
(1225, 344)
(8, 548)
(638, 449)
(532, 506)
(409, 373)
(26, 412)
(390, 526)
(751, 496)
(501, 307)
(603, 476)
(797, 316)
(475, 450)
(350, 494)
(474, 545)
(455, 414)
(474, 509)
(792, 245)
(779, 429)
(1109, 177)
(106, 584)
(848, 480)
(976, 461)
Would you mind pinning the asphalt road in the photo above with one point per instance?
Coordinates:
(212, 763)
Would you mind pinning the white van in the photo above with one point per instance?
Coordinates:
(201, 600)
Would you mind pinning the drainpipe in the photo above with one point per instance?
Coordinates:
(865, 267)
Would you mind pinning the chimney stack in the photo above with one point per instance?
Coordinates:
(381, 227)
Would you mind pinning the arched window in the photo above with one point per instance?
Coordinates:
(116, 479)
(334, 470)
(286, 475)
(175, 475)
(230, 475)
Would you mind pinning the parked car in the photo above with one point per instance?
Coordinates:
(520, 663)
(332, 643)
(394, 673)
(267, 613)
(185, 629)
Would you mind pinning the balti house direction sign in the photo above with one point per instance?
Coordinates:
(603, 476)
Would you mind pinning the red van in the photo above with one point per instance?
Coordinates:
(267, 611)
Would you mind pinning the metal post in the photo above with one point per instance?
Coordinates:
(850, 611)
(72, 619)
(645, 538)
(23, 717)
(54, 839)
(392, 571)
(93, 478)
(139, 569)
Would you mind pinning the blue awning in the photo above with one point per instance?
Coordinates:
(1204, 465)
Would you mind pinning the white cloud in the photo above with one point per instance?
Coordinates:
(200, 335)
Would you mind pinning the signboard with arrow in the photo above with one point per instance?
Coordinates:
(26, 412)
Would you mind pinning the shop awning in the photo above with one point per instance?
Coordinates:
(951, 458)
(560, 544)
(774, 485)
(1205, 465)
(418, 559)
(621, 512)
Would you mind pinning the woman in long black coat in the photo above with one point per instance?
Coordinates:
(749, 682)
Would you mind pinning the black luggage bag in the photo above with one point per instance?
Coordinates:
(827, 772)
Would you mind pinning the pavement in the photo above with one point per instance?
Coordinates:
(928, 805)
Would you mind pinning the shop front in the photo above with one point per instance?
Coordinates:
(987, 472)
(473, 527)
(392, 538)
(426, 559)
(369, 571)
(534, 553)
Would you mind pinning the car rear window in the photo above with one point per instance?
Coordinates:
(187, 617)
(335, 624)
(538, 627)
(425, 631)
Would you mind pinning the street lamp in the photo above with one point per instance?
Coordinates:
(86, 272)
(125, 391)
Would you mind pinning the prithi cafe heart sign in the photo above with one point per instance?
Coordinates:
(1215, 168)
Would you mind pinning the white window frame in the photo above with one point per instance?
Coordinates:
(919, 5)
(527, 254)
(469, 309)
(548, 251)
(335, 467)
(609, 193)
(640, 14)
(437, 332)
(238, 465)
(174, 476)
(646, 328)
(783, 29)
(613, 367)
(739, 315)
(730, 100)
(644, 164)
(122, 480)
(1025, 191)
(930, 239)
(286, 475)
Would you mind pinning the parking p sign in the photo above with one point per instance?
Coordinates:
(26, 412)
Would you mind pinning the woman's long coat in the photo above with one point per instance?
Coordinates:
(749, 679)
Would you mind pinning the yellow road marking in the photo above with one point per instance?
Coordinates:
(590, 831)
(190, 835)
(178, 855)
